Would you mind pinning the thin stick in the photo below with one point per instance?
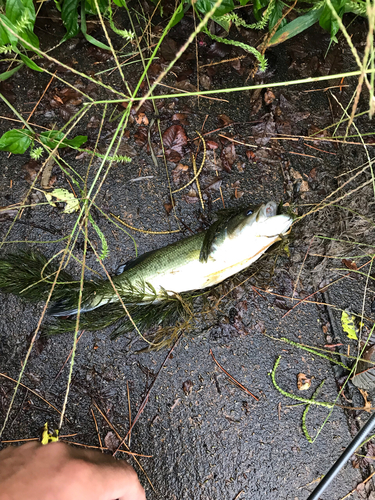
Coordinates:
(303, 263)
(355, 489)
(107, 449)
(145, 400)
(67, 359)
(232, 378)
(129, 409)
(33, 392)
(119, 438)
(324, 287)
(41, 97)
(146, 231)
(18, 382)
(197, 174)
(195, 171)
(230, 90)
(203, 23)
(70, 375)
(97, 430)
(198, 95)
(34, 439)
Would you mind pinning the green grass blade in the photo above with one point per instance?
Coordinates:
(295, 27)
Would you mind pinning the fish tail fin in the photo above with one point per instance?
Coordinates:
(94, 295)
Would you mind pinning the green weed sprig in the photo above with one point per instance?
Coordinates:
(311, 401)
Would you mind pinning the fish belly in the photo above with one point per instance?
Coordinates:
(230, 259)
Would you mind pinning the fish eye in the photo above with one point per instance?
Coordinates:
(249, 212)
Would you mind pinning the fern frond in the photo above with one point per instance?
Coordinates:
(126, 34)
(248, 48)
(30, 275)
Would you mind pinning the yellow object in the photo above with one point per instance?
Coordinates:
(348, 325)
(49, 437)
(63, 196)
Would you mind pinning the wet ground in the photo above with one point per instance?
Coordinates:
(207, 438)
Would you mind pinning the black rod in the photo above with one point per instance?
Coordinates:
(340, 462)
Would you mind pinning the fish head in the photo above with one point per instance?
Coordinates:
(262, 220)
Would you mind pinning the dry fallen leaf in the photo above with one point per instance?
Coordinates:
(225, 120)
(213, 184)
(111, 441)
(180, 117)
(205, 82)
(367, 405)
(191, 197)
(269, 97)
(240, 167)
(168, 48)
(218, 49)
(350, 264)
(303, 382)
(295, 174)
(250, 155)
(228, 156)
(187, 387)
(211, 144)
(313, 173)
(140, 136)
(175, 141)
(168, 207)
(141, 119)
(32, 168)
(180, 173)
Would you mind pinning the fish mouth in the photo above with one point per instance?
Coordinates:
(267, 210)
(271, 221)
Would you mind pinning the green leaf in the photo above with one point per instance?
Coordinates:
(7, 74)
(204, 6)
(96, 42)
(31, 64)
(90, 38)
(179, 14)
(36, 153)
(30, 37)
(262, 60)
(6, 38)
(276, 15)
(348, 325)
(295, 27)
(224, 22)
(105, 251)
(16, 141)
(69, 15)
(327, 21)
(91, 7)
(258, 5)
(76, 142)
(52, 138)
(21, 11)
